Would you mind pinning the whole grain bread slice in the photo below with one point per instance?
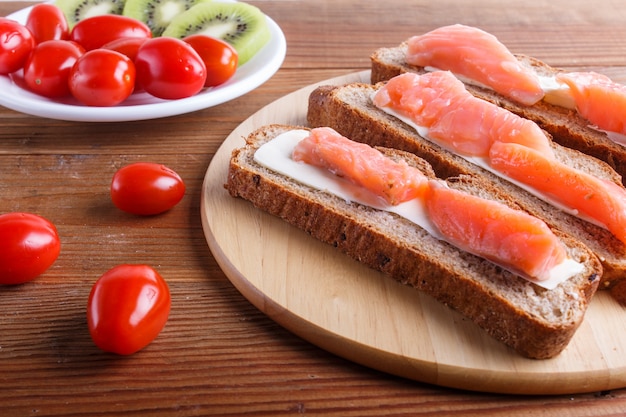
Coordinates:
(566, 126)
(535, 322)
(349, 110)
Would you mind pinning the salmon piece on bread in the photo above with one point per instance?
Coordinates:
(462, 50)
(492, 230)
(439, 103)
(598, 99)
(535, 322)
(392, 181)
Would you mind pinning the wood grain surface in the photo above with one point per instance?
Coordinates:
(219, 354)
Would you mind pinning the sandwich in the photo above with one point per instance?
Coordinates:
(581, 110)
(350, 110)
(395, 222)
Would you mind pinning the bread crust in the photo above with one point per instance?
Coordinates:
(566, 126)
(349, 110)
(531, 320)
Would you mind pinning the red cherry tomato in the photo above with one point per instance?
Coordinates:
(46, 21)
(94, 32)
(127, 308)
(102, 77)
(47, 70)
(169, 68)
(16, 44)
(219, 57)
(126, 46)
(29, 245)
(146, 188)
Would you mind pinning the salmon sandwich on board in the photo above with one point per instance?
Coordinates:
(459, 240)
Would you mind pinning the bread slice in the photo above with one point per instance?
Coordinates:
(565, 125)
(349, 110)
(536, 322)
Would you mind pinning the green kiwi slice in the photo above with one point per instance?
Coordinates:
(240, 24)
(77, 10)
(157, 14)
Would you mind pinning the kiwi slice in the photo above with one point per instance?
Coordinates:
(76, 10)
(157, 14)
(240, 24)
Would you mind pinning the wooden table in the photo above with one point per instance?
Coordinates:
(218, 354)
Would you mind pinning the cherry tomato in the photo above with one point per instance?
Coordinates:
(126, 46)
(28, 247)
(16, 44)
(146, 188)
(169, 68)
(94, 32)
(219, 57)
(46, 22)
(47, 70)
(102, 77)
(127, 308)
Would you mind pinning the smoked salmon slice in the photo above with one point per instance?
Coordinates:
(598, 199)
(511, 238)
(476, 55)
(455, 118)
(361, 164)
(598, 99)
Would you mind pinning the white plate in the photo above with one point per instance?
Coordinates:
(142, 106)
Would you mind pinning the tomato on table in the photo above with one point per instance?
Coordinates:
(16, 44)
(169, 68)
(102, 77)
(47, 70)
(127, 308)
(219, 57)
(29, 245)
(94, 32)
(46, 21)
(146, 188)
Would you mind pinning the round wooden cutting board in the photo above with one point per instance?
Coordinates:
(359, 314)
